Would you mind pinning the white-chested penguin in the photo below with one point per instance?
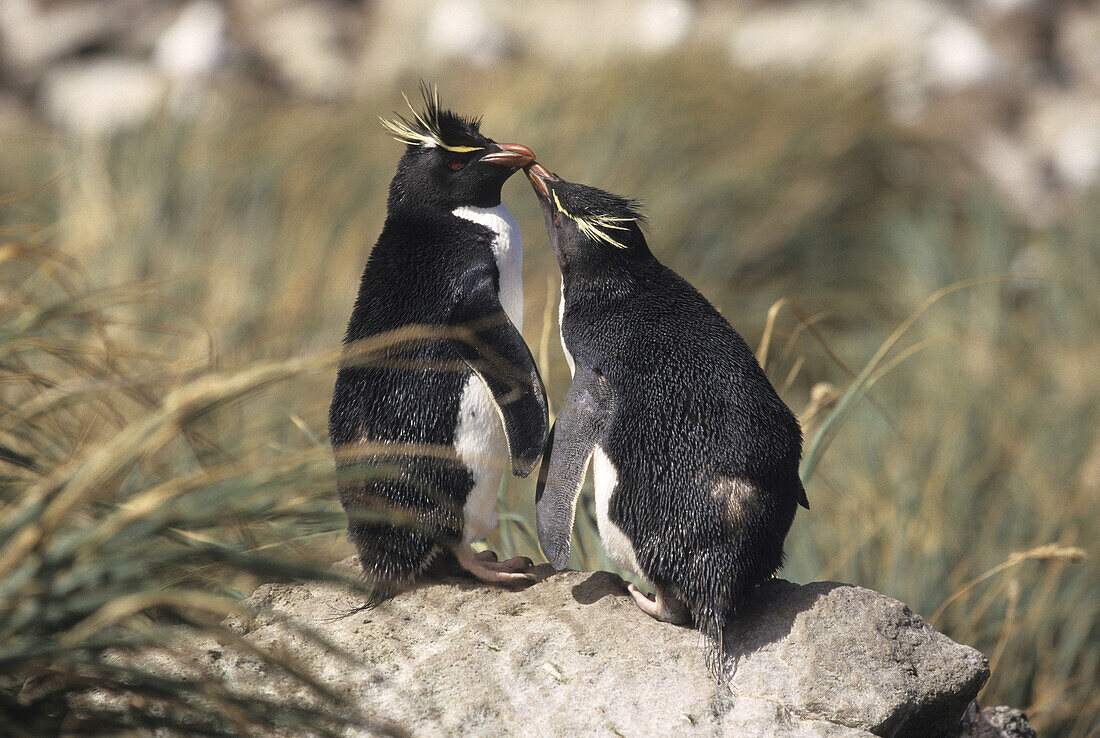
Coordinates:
(423, 431)
(694, 456)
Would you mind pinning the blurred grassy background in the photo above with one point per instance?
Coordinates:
(183, 253)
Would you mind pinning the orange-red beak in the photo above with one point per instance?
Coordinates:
(511, 155)
(539, 176)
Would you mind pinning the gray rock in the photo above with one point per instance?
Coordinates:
(102, 96)
(195, 44)
(304, 42)
(466, 30)
(853, 657)
(995, 722)
(35, 34)
(573, 655)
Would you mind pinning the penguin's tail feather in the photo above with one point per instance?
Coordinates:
(712, 625)
(379, 593)
(392, 557)
(399, 524)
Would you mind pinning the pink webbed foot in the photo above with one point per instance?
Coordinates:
(663, 607)
(484, 566)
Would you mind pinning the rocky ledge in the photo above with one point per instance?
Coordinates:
(572, 655)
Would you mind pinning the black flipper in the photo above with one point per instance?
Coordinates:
(580, 424)
(492, 347)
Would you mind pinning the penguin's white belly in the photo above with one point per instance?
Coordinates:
(479, 436)
(483, 449)
(605, 478)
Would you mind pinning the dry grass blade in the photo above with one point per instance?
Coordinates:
(859, 385)
(86, 543)
(1049, 552)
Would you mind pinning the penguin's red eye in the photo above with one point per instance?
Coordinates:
(454, 164)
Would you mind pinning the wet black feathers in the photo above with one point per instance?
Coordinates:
(705, 452)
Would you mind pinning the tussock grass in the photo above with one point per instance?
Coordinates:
(962, 444)
(123, 530)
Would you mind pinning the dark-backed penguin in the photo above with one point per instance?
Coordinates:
(694, 456)
(423, 429)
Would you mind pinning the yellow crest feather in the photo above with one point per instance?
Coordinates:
(421, 131)
(596, 227)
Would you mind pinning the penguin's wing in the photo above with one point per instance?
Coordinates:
(580, 424)
(490, 345)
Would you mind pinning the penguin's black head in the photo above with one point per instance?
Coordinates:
(448, 163)
(585, 223)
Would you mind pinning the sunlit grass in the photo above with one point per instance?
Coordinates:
(172, 299)
(125, 526)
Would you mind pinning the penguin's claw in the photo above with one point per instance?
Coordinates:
(484, 566)
(506, 577)
(488, 559)
(499, 575)
(665, 609)
(516, 563)
(648, 606)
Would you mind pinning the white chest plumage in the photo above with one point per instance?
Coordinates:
(508, 252)
(561, 335)
(480, 442)
(605, 477)
(481, 446)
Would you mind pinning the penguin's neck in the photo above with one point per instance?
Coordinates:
(602, 285)
(507, 246)
(588, 297)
